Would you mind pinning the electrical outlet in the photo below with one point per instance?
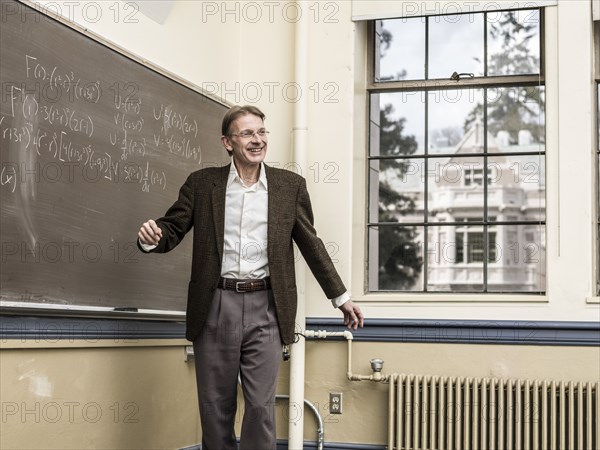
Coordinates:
(188, 353)
(335, 402)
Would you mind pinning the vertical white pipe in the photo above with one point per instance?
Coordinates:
(300, 138)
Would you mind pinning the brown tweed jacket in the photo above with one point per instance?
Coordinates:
(201, 204)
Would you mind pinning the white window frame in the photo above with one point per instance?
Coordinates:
(359, 286)
(596, 120)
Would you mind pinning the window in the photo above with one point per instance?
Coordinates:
(452, 98)
(474, 176)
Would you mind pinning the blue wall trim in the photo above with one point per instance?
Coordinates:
(52, 329)
(470, 331)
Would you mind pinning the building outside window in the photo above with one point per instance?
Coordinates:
(452, 98)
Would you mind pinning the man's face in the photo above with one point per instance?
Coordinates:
(247, 150)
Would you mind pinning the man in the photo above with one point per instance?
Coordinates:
(242, 294)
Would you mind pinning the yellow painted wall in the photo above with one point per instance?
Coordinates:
(82, 395)
(142, 394)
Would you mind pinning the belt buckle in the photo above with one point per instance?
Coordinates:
(237, 284)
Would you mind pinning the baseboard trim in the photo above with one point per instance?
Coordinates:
(282, 444)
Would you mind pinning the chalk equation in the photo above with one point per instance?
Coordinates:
(57, 146)
(60, 83)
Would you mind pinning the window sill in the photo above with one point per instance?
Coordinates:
(393, 297)
(593, 300)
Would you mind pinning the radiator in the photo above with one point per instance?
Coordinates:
(465, 413)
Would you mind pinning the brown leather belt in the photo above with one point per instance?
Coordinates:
(231, 284)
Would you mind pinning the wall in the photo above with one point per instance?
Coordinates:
(141, 393)
(227, 52)
(97, 394)
(202, 42)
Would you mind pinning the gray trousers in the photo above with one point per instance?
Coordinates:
(240, 336)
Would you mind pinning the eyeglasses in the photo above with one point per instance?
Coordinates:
(247, 134)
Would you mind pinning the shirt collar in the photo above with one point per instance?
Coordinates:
(234, 176)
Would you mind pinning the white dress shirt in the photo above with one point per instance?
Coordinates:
(245, 234)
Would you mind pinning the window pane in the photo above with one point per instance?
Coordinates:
(396, 187)
(521, 259)
(400, 51)
(517, 187)
(513, 42)
(472, 156)
(516, 118)
(455, 258)
(395, 258)
(455, 45)
(455, 188)
(397, 124)
(452, 115)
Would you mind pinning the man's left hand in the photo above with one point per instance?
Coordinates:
(353, 316)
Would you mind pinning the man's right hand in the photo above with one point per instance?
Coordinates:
(150, 233)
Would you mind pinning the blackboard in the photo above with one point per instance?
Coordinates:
(93, 143)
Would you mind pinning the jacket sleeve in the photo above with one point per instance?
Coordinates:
(178, 219)
(312, 248)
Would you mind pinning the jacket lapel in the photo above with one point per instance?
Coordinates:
(218, 204)
(274, 205)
